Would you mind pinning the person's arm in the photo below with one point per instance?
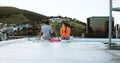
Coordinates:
(51, 31)
(60, 31)
(69, 31)
(41, 33)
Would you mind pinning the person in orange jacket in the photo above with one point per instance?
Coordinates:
(65, 31)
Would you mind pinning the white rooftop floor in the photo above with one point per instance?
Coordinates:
(24, 51)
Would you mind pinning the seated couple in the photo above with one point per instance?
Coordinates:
(46, 31)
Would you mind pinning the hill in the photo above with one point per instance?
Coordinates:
(12, 15)
(33, 16)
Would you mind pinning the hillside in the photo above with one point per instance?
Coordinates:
(33, 16)
(12, 15)
(18, 16)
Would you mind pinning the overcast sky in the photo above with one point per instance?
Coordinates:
(79, 9)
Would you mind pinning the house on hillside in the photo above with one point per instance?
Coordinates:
(56, 19)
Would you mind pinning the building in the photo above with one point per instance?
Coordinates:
(56, 19)
(97, 27)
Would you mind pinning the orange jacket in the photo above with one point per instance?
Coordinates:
(63, 33)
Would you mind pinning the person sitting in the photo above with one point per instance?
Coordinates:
(65, 31)
(46, 31)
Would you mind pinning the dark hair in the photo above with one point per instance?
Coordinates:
(66, 25)
(47, 22)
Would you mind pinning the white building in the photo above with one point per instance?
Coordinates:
(56, 19)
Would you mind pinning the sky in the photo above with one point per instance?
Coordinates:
(79, 9)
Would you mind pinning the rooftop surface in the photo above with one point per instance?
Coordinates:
(76, 51)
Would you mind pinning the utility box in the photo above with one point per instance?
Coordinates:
(98, 27)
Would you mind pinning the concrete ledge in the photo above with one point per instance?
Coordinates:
(7, 42)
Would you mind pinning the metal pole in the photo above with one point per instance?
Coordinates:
(116, 31)
(110, 23)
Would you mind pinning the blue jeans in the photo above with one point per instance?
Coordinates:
(63, 38)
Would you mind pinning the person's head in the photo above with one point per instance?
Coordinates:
(47, 22)
(65, 24)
